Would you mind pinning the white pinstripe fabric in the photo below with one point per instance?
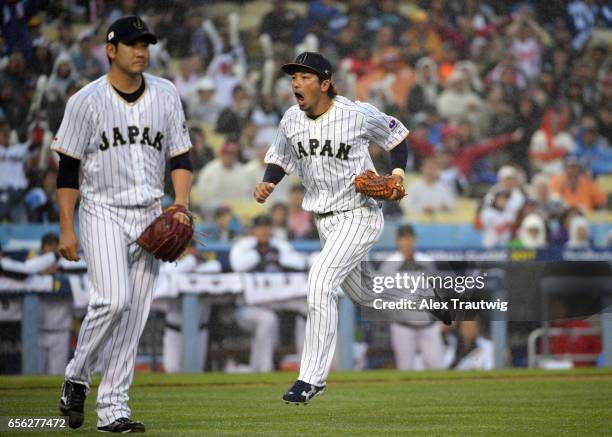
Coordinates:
(327, 153)
(327, 173)
(346, 239)
(123, 148)
(123, 278)
(117, 171)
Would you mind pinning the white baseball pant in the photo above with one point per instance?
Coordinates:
(122, 277)
(408, 341)
(346, 239)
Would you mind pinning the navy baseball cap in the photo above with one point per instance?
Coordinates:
(310, 61)
(262, 220)
(128, 29)
(404, 230)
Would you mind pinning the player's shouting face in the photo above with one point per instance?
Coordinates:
(130, 57)
(310, 92)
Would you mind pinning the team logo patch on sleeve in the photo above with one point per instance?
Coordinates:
(392, 123)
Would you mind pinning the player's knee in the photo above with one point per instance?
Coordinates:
(118, 307)
(320, 304)
(319, 286)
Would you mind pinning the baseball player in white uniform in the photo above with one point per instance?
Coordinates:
(261, 252)
(120, 129)
(54, 317)
(324, 139)
(417, 344)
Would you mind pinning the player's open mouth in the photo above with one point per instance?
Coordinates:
(299, 97)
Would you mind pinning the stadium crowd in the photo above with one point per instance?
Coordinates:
(509, 104)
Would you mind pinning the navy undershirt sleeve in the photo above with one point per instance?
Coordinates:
(399, 156)
(274, 173)
(181, 161)
(68, 172)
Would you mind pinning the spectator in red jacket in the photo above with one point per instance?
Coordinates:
(463, 155)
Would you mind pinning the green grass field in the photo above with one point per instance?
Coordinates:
(509, 402)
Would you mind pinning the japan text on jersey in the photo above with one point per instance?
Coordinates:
(329, 151)
(123, 146)
(132, 137)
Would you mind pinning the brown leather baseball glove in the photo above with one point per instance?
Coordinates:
(379, 187)
(167, 237)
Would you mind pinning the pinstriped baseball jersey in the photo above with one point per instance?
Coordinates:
(327, 152)
(123, 146)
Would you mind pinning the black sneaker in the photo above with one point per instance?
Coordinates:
(302, 392)
(123, 425)
(72, 402)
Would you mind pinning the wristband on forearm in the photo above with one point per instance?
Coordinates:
(399, 156)
(273, 174)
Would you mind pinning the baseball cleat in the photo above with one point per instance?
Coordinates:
(301, 393)
(72, 402)
(123, 425)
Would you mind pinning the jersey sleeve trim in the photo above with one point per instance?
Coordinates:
(280, 162)
(399, 141)
(181, 151)
(63, 152)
